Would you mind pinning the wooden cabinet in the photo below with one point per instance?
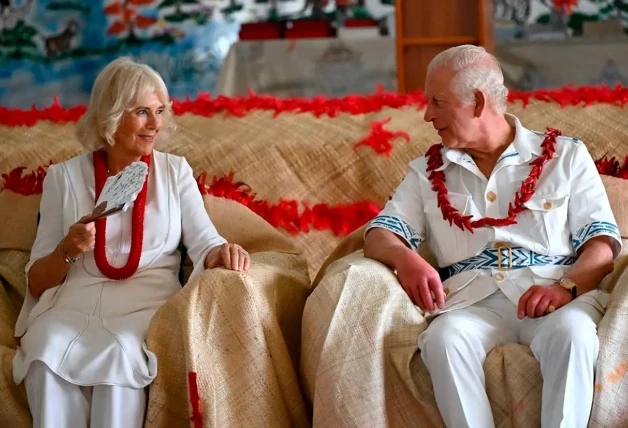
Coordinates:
(427, 27)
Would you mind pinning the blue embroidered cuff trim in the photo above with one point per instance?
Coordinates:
(398, 227)
(591, 230)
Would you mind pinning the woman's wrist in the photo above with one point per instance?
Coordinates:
(68, 258)
(209, 255)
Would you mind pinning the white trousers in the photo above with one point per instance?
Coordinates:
(57, 403)
(565, 342)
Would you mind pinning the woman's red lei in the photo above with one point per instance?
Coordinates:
(137, 229)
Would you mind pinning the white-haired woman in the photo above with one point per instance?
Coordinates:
(93, 288)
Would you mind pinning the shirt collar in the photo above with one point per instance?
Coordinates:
(526, 144)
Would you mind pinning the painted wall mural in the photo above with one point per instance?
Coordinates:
(530, 16)
(52, 47)
(58, 47)
(553, 43)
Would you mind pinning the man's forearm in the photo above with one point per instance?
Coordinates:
(594, 263)
(384, 246)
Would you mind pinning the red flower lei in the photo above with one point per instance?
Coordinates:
(528, 187)
(137, 230)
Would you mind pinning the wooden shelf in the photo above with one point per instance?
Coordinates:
(427, 27)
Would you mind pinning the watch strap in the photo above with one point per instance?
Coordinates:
(569, 285)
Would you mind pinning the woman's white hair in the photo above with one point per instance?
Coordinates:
(117, 89)
(474, 69)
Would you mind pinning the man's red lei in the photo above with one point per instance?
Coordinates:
(528, 187)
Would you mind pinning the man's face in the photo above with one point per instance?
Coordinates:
(456, 123)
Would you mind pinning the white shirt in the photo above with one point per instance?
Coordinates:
(569, 207)
(91, 330)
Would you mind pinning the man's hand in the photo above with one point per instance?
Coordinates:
(535, 302)
(420, 281)
(417, 277)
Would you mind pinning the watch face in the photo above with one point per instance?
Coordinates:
(567, 283)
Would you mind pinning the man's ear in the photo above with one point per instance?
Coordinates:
(480, 102)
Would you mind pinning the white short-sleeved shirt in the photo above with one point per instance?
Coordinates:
(569, 207)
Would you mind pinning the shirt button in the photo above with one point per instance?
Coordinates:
(446, 291)
(547, 205)
(491, 196)
(499, 277)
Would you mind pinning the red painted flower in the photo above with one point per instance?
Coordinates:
(566, 6)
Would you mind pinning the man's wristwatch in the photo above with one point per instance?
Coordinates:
(569, 285)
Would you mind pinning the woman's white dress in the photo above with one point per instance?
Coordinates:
(91, 330)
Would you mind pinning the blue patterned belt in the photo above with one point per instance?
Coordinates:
(505, 258)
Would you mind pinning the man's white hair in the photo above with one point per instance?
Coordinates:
(117, 89)
(474, 69)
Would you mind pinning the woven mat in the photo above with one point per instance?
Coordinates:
(241, 334)
(310, 159)
(303, 157)
(13, 405)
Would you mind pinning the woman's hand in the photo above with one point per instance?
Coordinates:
(231, 256)
(80, 239)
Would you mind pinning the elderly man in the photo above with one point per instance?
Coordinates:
(522, 230)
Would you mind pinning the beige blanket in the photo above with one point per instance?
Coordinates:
(360, 363)
(238, 332)
(13, 405)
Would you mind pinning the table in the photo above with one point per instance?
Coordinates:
(336, 67)
(309, 67)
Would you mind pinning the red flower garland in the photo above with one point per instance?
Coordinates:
(205, 105)
(380, 138)
(25, 184)
(289, 214)
(341, 219)
(137, 229)
(528, 187)
(612, 167)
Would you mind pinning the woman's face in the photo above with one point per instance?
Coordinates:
(139, 127)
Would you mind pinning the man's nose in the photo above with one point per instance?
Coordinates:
(429, 115)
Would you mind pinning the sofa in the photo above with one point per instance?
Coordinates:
(293, 181)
